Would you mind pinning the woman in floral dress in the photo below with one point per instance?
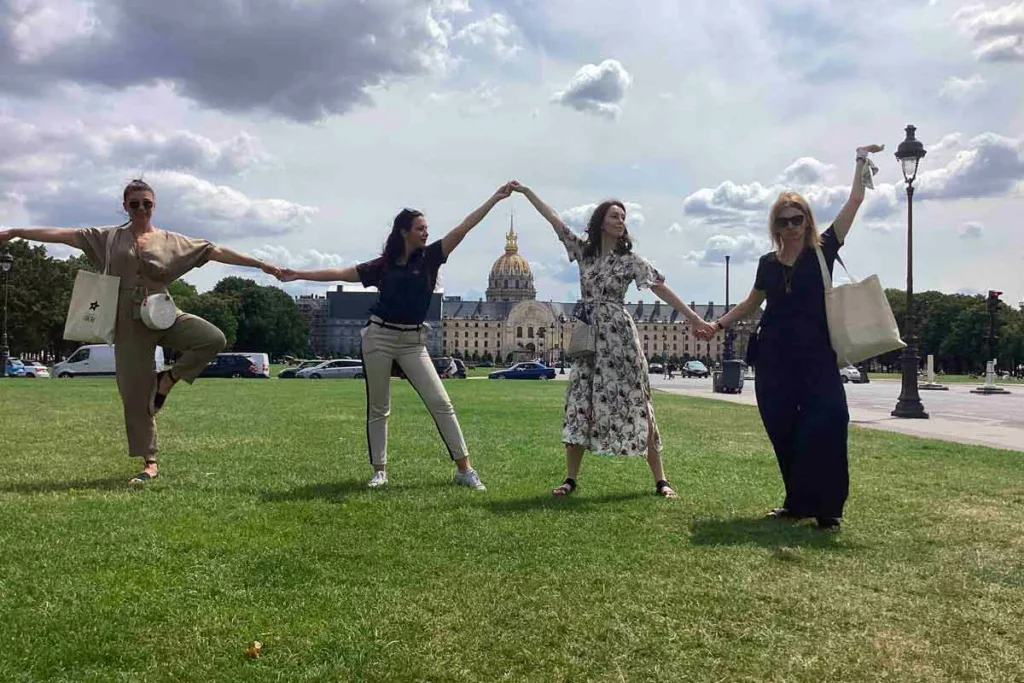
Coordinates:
(608, 404)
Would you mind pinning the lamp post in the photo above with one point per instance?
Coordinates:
(727, 351)
(562, 320)
(910, 153)
(6, 261)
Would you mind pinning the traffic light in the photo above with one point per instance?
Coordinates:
(993, 300)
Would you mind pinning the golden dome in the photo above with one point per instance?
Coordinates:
(511, 264)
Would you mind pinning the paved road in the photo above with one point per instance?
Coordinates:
(955, 415)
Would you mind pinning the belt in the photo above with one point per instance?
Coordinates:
(391, 326)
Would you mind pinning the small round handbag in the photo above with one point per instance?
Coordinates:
(158, 311)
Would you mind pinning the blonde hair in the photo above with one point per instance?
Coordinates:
(793, 200)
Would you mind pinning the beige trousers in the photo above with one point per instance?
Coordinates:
(135, 344)
(381, 346)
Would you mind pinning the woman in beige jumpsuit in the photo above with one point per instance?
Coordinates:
(147, 260)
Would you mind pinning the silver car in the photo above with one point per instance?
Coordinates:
(343, 368)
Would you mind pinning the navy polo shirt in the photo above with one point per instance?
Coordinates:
(404, 291)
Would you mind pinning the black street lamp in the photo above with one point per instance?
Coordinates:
(727, 351)
(910, 153)
(561, 343)
(6, 261)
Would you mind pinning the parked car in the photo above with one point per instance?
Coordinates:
(14, 367)
(531, 370)
(694, 368)
(289, 373)
(852, 374)
(341, 368)
(260, 361)
(656, 368)
(96, 360)
(485, 364)
(230, 365)
(34, 368)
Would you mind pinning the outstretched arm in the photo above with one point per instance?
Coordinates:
(844, 221)
(743, 309)
(347, 274)
(234, 258)
(700, 325)
(543, 209)
(68, 236)
(459, 232)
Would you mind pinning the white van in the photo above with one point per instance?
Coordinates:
(96, 360)
(260, 360)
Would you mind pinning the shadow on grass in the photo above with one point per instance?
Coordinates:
(573, 503)
(336, 491)
(105, 484)
(766, 533)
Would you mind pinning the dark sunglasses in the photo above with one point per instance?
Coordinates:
(782, 221)
(135, 203)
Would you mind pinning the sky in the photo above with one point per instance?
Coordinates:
(295, 130)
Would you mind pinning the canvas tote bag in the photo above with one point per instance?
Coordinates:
(583, 339)
(860, 322)
(92, 312)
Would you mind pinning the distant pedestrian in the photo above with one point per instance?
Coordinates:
(405, 274)
(799, 391)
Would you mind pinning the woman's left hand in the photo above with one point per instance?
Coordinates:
(504, 191)
(270, 269)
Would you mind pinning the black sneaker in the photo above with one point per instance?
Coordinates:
(828, 524)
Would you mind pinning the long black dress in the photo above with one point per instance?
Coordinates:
(799, 392)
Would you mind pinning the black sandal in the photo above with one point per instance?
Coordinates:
(783, 513)
(829, 524)
(565, 488)
(143, 478)
(158, 398)
(661, 485)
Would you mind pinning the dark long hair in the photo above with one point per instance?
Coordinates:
(394, 245)
(137, 185)
(594, 230)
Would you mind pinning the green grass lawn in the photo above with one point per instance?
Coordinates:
(261, 528)
(948, 379)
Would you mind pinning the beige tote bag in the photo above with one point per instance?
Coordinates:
(860, 322)
(92, 313)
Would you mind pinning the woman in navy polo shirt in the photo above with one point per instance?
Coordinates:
(405, 275)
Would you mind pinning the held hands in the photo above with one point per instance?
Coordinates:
(704, 330)
(286, 275)
(864, 150)
(504, 191)
(270, 269)
(518, 187)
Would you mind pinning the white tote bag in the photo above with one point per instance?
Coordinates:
(92, 312)
(860, 322)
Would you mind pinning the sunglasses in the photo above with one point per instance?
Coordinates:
(785, 221)
(135, 204)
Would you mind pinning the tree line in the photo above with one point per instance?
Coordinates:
(253, 317)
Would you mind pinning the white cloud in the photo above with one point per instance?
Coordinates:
(998, 33)
(743, 248)
(971, 230)
(305, 259)
(497, 33)
(961, 88)
(806, 171)
(597, 89)
(482, 100)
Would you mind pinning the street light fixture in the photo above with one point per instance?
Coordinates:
(6, 261)
(910, 153)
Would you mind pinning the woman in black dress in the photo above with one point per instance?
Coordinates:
(799, 392)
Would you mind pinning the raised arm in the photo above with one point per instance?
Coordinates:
(68, 236)
(844, 221)
(347, 274)
(543, 209)
(459, 232)
(234, 258)
(700, 325)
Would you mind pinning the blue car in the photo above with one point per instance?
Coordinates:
(15, 368)
(524, 371)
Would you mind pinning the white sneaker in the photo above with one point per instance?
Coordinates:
(379, 479)
(469, 478)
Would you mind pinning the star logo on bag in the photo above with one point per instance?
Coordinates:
(94, 305)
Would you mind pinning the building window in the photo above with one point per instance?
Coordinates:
(466, 333)
(529, 332)
(476, 324)
(476, 334)
(485, 343)
(506, 284)
(519, 332)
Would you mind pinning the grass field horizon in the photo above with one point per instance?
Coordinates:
(261, 528)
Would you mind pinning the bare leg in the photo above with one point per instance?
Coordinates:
(657, 467)
(573, 458)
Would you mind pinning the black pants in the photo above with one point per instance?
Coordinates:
(803, 407)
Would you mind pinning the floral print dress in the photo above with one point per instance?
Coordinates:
(608, 404)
